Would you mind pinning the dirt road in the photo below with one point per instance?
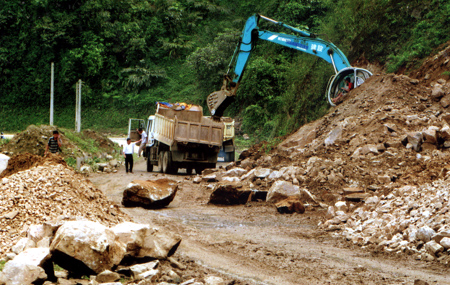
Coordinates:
(253, 244)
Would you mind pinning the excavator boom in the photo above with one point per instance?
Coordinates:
(303, 41)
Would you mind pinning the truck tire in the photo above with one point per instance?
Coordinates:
(149, 164)
(167, 164)
(160, 161)
(199, 169)
(189, 170)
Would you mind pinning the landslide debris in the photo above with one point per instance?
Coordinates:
(24, 161)
(49, 191)
(35, 138)
(378, 161)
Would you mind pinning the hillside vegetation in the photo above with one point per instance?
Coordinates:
(133, 53)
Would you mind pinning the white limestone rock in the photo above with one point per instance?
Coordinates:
(93, 244)
(213, 280)
(249, 175)
(445, 242)
(144, 267)
(280, 190)
(262, 172)
(433, 247)
(28, 267)
(341, 206)
(235, 172)
(23, 244)
(141, 240)
(425, 233)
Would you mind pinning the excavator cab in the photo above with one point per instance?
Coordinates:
(356, 75)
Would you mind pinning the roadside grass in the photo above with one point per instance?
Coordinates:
(91, 151)
(241, 144)
(4, 141)
(56, 267)
(2, 264)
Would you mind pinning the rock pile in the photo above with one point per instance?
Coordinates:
(35, 138)
(49, 192)
(389, 143)
(33, 141)
(411, 219)
(236, 185)
(391, 132)
(91, 249)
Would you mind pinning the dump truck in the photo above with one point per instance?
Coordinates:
(179, 136)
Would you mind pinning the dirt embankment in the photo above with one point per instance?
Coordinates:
(35, 138)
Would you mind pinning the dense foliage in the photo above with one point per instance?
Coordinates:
(133, 53)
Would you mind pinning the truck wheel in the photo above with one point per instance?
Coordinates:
(189, 170)
(160, 161)
(198, 170)
(149, 164)
(167, 162)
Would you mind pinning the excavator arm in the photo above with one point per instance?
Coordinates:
(303, 41)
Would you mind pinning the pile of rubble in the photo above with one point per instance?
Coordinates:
(237, 185)
(34, 139)
(49, 191)
(411, 219)
(136, 253)
(379, 159)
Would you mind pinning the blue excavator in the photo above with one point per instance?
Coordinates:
(302, 41)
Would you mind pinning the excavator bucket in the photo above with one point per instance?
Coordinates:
(218, 101)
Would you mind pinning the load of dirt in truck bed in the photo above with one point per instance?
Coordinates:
(35, 138)
(46, 190)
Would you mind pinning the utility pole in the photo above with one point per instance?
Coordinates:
(78, 107)
(52, 83)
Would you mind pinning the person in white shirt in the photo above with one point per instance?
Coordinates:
(128, 150)
(143, 140)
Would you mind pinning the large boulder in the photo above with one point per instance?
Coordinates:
(229, 194)
(144, 241)
(150, 194)
(290, 205)
(29, 266)
(86, 247)
(281, 190)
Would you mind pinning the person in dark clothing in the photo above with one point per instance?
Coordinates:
(128, 150)
(54, 143)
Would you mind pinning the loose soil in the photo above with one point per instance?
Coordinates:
(253, 244)
(23, 161)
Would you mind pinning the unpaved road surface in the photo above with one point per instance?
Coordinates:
(253, 244)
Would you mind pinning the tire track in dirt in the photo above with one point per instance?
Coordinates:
(255, 245)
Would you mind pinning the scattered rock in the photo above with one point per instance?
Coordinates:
(150, 194)
(144, 241)
(229, 194)
(27, 267)
(290, 205)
